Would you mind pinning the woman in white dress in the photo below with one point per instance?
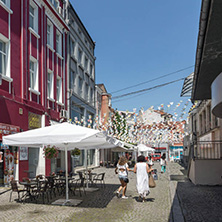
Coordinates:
(142, 169)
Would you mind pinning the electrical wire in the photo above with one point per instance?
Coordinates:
(151, 80)
(147, 89)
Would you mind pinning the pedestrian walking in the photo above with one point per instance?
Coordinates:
(142, 169)
(122, 169)
(163, 163)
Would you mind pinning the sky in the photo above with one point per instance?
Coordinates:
(139, 41)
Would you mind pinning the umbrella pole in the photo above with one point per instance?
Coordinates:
(87, 176)
(67, 183)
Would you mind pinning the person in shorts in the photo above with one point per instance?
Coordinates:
(122, 169)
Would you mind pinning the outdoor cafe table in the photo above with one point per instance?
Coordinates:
(28, 186)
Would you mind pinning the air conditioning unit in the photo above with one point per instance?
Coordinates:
(63, 113)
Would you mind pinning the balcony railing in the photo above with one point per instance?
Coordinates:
(208, 150)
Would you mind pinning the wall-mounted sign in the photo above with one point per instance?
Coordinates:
(6, 129)
(34, 121)
(23, 153)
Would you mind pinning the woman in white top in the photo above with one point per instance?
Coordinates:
(142, 169)
(122, 169)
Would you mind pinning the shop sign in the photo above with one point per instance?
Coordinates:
(6, 129)
(23, 153)
(34, 121)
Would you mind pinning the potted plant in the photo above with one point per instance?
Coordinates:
(50, 152)
(75, 152)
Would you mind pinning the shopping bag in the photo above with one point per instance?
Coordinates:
(152, 183)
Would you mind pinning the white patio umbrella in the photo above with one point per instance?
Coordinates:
(144, 148)
(65, 136)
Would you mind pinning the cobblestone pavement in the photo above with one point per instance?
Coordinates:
(161, 205)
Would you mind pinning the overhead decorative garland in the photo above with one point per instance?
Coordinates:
(118, 126)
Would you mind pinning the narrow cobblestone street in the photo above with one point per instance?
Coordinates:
(200, 203)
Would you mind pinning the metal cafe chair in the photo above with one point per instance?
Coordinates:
(100, 177)
(15, 188)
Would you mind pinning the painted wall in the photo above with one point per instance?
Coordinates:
(206, 172)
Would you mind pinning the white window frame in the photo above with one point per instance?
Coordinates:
(6, 3)
(33, 86)
(3, 58)
(59, 89)
(50, 32)
(35, 19)
(59, 43)
(50, 84)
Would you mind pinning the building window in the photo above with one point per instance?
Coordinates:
(58, 42)
(49, 34)
(80, 86)
(3, 57)
(33, 16)
(59, 89)
(72, 48)
(50, 85)
(86, 63)
(6, 2)
(55, 3)
(87, 92)
(33, 75)
(77, 112)
(80, 56)
(91, 96)
(73, 79)
(91, 70)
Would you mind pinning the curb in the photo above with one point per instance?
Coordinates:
(176, 209)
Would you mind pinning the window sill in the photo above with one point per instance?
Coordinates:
(74, 58)
(58, 54)
(50, 47)
(6, 7)
(51, 99)
(59, 103)
(34, 33)
(6, 78)
(34, 91)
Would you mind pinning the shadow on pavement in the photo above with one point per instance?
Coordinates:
(195, 202)
(7, 207)
(146, 200)
(96, 199)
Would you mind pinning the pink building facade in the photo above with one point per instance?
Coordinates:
(33, 76)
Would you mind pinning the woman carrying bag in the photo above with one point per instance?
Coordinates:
(142, 169)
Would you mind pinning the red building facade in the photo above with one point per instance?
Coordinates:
(33, 69)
